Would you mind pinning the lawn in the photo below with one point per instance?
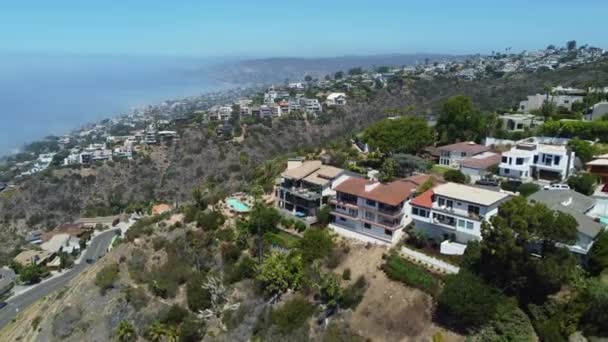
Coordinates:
(402, 270)
(282, 239)
(440, 169)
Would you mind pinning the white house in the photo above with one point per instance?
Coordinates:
(535, 102)
(455, 211)
(336, 99)
(520, 122)
(61, 242)
(528, 160)
(452, 155)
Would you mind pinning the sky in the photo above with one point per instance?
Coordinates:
(298, 28)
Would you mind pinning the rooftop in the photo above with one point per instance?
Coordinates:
(26, 257)
(393, 193)
(573, 203)
(469, 193)
(481, 161)
(303, 170)
(468, 146)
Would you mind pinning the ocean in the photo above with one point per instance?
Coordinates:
(42, 95)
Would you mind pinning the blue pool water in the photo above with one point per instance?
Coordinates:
(238, 205)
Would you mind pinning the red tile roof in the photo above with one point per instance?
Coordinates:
(481, 163)
(424, 200)
(392, 193)
(469, 147)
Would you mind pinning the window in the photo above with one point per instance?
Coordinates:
(370, 203)
(370, 216)
(535, 159)
(506, 170)
(367, 226)
(388, 232)
(556, 160)
(474, 209)
(461, 223)
(441, 201)
(504, 159)
(463, 154)
(469, 225)
(450, 204)
(342, 219)
(519, 161)
(352, 212)
(415, 211)
(424, 213)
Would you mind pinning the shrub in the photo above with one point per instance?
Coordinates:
(399, 269)
(225, 234)
(510, 324)
(230, 253)
(244, 269)
(353, 294)
(293, 314)
(323, 215)
(583, 183)
(176, 315)
(598, 256)
(315, 244)
(346, 274)
(106, 277)
(197, 297)
(158, 243)
(527, 189)
(299, 226)
(454, 176)
(467, 302)
(137, 265)
(136, 296)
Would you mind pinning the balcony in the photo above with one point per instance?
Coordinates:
(444, 220)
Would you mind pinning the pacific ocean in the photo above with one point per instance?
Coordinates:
(42, 95)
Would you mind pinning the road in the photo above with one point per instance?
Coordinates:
(98, 247)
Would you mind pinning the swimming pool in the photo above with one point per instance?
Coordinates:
(238, 205)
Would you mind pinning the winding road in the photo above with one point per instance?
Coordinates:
(97, 248)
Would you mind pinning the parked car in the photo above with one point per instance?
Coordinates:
(487, 182)
(556, 187)
(90, 260)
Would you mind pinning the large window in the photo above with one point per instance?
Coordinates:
(370, 216)
(388, 232)
(473, 209)
(504, 159)
(469, 225)
(367, 226)
(449, 204)
(371, 203)
(414, 211)
(519, 161)
(441, 201)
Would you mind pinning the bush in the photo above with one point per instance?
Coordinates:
(299, 226)
(197, 297)
(176, 315)
(510, 324)
(399, 269)
(455, 176)
(230, 253)
(136, 296)
(315, 244)
(583, 183)
(137, 265)
(346, 274)
(598, 256)
(158, 243)
(353, 294)
(323, 215)
(244, 269)
(30, 274)
(293, 314)
(527, 189)
(106, 277)
(467, 302)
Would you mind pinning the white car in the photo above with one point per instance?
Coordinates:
(557, 187)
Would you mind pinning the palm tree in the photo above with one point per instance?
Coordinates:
(171, 334)
(125, 332)
(157, 331)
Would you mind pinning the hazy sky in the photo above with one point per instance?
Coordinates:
(296, 27)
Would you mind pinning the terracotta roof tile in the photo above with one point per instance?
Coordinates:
(469, 147)
(424, 200)
(392, 193)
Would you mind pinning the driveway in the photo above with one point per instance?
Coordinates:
(98, 247)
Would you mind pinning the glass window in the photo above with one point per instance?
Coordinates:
(535, 159)
(474, 209)
(369, 216)
(342, 218)
(556, 160)
(441, 202)
(388, 232)
(450, 204)
(367, 226)
(519, 161)
(463, 154)
(469, 225)
(504, 159)
(461, 223)
(506, 170)
(370, 202)
(415, 211)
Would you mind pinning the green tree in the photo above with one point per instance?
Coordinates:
(459, 121)
(293, 314)
(455, 176)
(406, 135)
(582, 149)
(583, 182)
(125, 332)
(197, 297)
(595, 296)
(598, 256)
(388, 170)
(571, 45)
(315, 244)
(467, 302)
(407, 164)
(323, 215)
(280, 272)
(339, 75)
(157, 331)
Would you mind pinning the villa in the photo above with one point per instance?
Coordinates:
(452, 155)
(520, 122)
(336, 99)
(528, 160)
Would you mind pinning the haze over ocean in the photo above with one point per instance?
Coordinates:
(42, 95)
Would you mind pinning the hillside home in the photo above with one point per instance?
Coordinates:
(581, 207)
(519, 122)
(311, 106)
(599, 167)
(478, 166)
(535, 102)
(374, 209)
(284, 104)
(528, 160)
(306, 186)
(336, 99)
(455, 212)
(33, 257)
(63, 242)
(294, 105)
(265, 111)
(245, 111)
(452, 155)
(598, 111)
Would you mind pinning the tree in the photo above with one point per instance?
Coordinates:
(455, 176)
(583, 149)
(126, 332)
(583, 182)
(30, 274)
(388, 170)
(264, 217)
(324, 215)
(598, 256)
(293, 314)
(467, 302)
(106, 277)
(458, 121)
(406, 135)
(198, 298)
(571, 45)
(355, 71)
(329, 289)
(308, 78)
(339, 75)
(595, 296)
(548, 109)
(280, 272)
(157, 331)
(407, 164)
(315, 244)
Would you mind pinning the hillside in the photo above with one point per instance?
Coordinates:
(200, 157)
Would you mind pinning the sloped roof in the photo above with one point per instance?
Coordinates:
(392, 193)
(467, 146)
(424, 200)
(481, 161)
